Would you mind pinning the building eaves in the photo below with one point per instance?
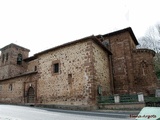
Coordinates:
(142, 50)
(129, 29)
(101, 45)
(12, 44)
(30, 58)
(24, 74)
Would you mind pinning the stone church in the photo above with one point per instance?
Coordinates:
(74, 74)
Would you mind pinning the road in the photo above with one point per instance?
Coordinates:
(11, 112)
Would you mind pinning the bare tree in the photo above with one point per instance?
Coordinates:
(151, 40)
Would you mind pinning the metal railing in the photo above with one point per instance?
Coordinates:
(151, 99)
(123, 98)
(128, 98)
(105, 99)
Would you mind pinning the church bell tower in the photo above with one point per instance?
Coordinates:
(11, 61)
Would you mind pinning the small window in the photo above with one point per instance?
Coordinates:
(10, 87)
(7, 57)
(56, 68)
(0, 87)
(69, 78)
(99, 90)
(144, 67)
(35, 68)
(3, 57)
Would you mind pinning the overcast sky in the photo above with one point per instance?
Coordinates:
(42, 24)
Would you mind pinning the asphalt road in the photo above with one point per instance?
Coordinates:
(11, 112)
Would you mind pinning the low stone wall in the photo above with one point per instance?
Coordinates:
(121, 106)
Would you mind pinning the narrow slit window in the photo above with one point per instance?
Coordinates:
(69, 78)
(0, 87)
(3, 57)
(7, 57)
(35, 68)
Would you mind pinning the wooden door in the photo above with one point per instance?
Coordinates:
(30, 95)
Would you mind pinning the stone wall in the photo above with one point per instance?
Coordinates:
(101, 70)
(11, 91)
(121, 46)
(71, 85)
(128, 76)
(8, 65)
(4, 71)
(8, 71)
(15, 90)
(122, 106)
(83, 66)
(75, 84)
(32, 65)
(145, 78)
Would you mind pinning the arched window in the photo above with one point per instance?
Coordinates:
(10, 87)
(19, 59)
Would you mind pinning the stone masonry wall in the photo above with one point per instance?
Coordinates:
(75, 84)
(9, 67)
(72, 86)
(121, 48)
(145, 78)
(32, 65)
(11, 96)
(15, 90)
(14, 94)
(101, 73)
(4, 71)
